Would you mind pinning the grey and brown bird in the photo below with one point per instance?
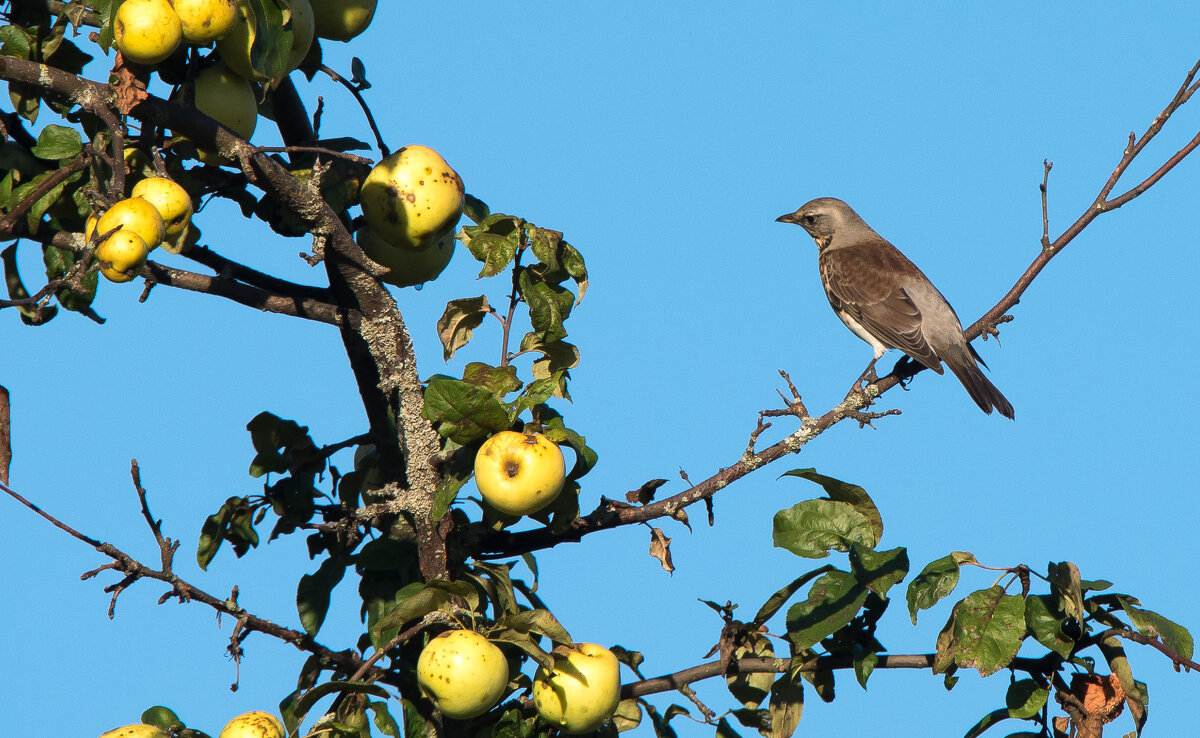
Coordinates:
(887, 301)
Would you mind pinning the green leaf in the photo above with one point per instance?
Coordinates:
(840, 491)
(777, 600)
(539, 622)
(813, 527)
(864, 664)
(987, 721)
(163, 718)
(1066, 585)
(494, 242)
(937, 580)
(751, 689)
(474, 208)
(57, 142)
(787, 703)
(549, 306)
(383, 719)
(1045, 619)
(17, 291)
(312, 594)
(585, 457)
(418, 600)
(500, 590)
(984, 632)
(463, 412)
(500, 381)
(1173, 635)
(832, 602)
(231, 522)
(272, 43)
(459, 321)
(297, 705)
(1025, 698)
(878, 571)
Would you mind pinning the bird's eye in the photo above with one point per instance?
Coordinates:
(810, 219)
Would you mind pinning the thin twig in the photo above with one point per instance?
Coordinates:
(362, 103)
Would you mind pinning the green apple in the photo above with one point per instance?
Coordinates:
(228, 99)
(412, 197)
(463, 673)
(408, 266)
(235, 46)
(582, 691)
(256, 724)
(341, 21)
(147, 31)
(519, 473)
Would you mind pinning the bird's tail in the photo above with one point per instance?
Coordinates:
(979, 387)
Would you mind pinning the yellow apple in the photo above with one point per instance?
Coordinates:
(121, 256)
(147, 31)
(235, 46)
(228, 99)
(205, 21)
(172, 202)
(256, 724)
(582, 691)
(137, 215)
(412, 197)
(408, 266)
(519, 473)
(340, 20)
(463, 673)
(138, 730)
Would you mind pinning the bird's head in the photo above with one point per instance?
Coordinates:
(824, 218)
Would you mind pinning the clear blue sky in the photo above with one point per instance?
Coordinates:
(663, 142)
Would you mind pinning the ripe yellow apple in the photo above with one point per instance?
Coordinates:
(121, 256)
(228, 99)
(582, 691)
(519, 473)
(408, 266)
(205, 21)
(171, 201)
(147, 31)
(340, 20)
(412, 197)
(138, 730)
(463, 673)
(256, 724)
(235, 46)
(137, 215)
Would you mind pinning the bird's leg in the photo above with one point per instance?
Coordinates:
(866, 377)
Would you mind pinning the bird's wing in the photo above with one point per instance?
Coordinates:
(866, 281)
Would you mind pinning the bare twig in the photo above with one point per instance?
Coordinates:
(362, 103)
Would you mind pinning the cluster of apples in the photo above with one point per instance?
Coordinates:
(256, 724)
(148, 31)
(411, 200)
(465, 675)
(157, 211)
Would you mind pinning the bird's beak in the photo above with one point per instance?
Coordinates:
(787, 218)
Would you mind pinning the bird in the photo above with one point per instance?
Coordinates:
(885, 300)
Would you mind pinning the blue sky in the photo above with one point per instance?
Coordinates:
(663, 142)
